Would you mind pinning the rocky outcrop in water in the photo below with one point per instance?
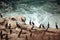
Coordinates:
(15, 28)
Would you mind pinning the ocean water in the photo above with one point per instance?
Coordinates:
(40, 12)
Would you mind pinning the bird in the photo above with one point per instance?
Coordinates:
(43, 26)
(10, 28)
(6, 25)
(48, 25)
(33, 23)
(23, 19)
(56, 26)
(13, 19)
(30, 22)
(40, 26)
(18, 25)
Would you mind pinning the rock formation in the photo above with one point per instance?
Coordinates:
(15, 28)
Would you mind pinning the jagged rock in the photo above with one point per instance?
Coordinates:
(20, 18)
(26, 31)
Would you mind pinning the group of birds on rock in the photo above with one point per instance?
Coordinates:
(30, 23)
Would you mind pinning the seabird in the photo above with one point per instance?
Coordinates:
(40, 26)
(30, 22)
(48, 25)
(18, 25)
(56, 26)
(13, 19)
(33, 23)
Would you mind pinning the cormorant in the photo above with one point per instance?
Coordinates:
(18, 25)
(56, 26)
(43, 26)
(6, 26)
(33, 23)
(13, 19)
(48, 25)
(30, 22)
(10, 28)
(40, 26)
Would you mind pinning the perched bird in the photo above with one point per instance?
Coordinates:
(33, 23)
(13, 19)
(40, 26)
(23, 20)
(43, 26)
(56, 26)
(10, 28)
(30, 22)
(19, 33)
(18, 25)
(48, 25)
(6, 26)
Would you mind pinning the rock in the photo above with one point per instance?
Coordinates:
(20, 18)
(1, 20)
